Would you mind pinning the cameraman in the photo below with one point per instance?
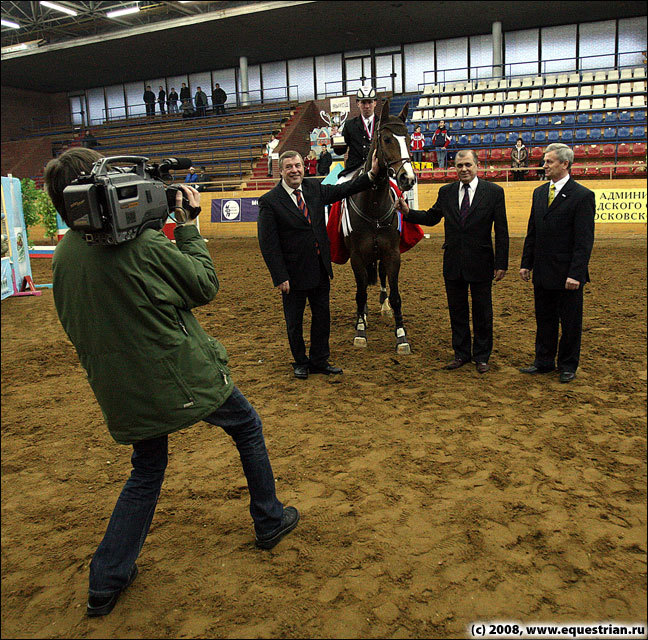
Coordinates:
(127, 310)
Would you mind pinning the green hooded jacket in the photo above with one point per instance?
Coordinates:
(126, 310)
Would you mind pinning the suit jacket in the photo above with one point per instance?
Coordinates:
(287, 239)
(560, 237)
(357, 141)
(468, 249)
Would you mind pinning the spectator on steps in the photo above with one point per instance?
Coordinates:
(519, 158)
(172, 101)
(201, 102)
(270, 147)
(219, 98)
(149, 101)
(161, 99)
(324, 162)
(440, 141)
(310, 163)
(185, 94)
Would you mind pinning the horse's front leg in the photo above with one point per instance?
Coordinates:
(385, 307)
(361, 278)
(393, 268)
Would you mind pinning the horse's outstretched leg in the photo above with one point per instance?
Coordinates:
(361, 278)
(385, 307)
(392, 268)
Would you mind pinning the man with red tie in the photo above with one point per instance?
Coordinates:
(471, 208)
(295, 246)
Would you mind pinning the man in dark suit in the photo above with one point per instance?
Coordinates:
(557, 248)
(470, 209)
(358, 132)
(295, 246)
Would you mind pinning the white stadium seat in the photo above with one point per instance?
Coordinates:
(561, 92)
(598, 90)
(574, 78)
(626, 74)
(443, 100)
(563, 79)
(600, 76)
(598, 103)
(571, 105)
(477, 98)
(499, 96)
(584, 105)
(450, 113)
(492, 85)
(558, 106)
(550, 80)
(502, 84)
(538, 81)
(638, 101)
(532, 107)
(456, 98)
(417, 116)
(473, 112)
(572, 92)
(639, 86)
(536, 94)
(611, 89)
(515, 83)
(509, 109)
(625, 102)
(484, 110)
(586, 90)
(482, 85)
(527, 81)
(639, 72)
(489, 97)
(427, 90)
(613, 74)
(525, 95)
(587, 76)
(611, 103)
(545, 107)
(548, 93)
(512, 96)
(520, 108)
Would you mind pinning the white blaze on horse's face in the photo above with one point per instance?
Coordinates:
(407, 177)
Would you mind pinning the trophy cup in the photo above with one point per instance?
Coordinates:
(335, 120)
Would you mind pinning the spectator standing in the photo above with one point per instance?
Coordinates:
(417, 144)
(441, 141)
(162, 99)
(192, 176)
(187, 109)
(201, 102)
(149, 101)
(324, 162)
(185, 93)
(119, 332)
(519, 158)
(89, 141)
(310, 163)
(557, 248)
(219, 98)
(172, 101)
(270, 147)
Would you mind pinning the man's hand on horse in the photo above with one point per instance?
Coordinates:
(375, 167)
(402, 206)
(284, 287)
(499, 274)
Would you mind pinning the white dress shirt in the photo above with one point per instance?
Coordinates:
(291, 192)
(471, 190)
(369, 125)
(560, 184)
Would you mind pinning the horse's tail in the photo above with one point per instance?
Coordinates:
(372, 273)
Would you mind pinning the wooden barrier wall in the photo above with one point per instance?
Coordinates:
(518, 208)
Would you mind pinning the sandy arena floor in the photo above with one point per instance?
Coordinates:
(429, 499)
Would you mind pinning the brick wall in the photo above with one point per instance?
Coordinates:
(20, 107)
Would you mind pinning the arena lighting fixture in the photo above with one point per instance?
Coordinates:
(59, 7)
(9, 23)
(23, 46)
(123, 12)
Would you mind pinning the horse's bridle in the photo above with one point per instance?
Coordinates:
(403, 161)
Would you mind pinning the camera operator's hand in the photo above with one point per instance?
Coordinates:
(193, 198)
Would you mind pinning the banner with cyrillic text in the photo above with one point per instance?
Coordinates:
(620, 206)
(235, 210)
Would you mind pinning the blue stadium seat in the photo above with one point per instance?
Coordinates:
(543, 121)
(513, 136)
(488, 138)
(582, 118)
(475, 139)
(504, 123)
(581, 134)
(556, 120)
(492, 123)
(624, 116)
(517, 122)
(463, 140)
(570, 119)
(526, 137)
(639, 116)
(609, 133)
(480, 124)
(539, 136)
(530, 121)
(624, 132)
(410, 127)
(553, 136)
(455, 125)
(500, 138)
(597, 117)
(567, 135)
(428, 142)
(594, 133)
(468, 125)
(610, 117)
(638, 132)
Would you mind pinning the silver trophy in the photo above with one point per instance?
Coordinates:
(335, 120)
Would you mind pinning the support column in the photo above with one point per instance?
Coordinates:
(498, 69)
(245, 87)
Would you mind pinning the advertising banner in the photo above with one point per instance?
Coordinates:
(235, 210)
(620, 206)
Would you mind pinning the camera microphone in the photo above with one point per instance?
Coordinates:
(174, 163)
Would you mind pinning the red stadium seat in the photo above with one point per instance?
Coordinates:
(640, 170)
(577, 170)
(439, 175)
(607, 169)
(482, 154)
(594, 151)
(624, 150)
(496, 154)
(425, 174)
(592, 172)
(609, 150)
(493, 174)
(624, 171)
(452, 173)
(538, 152)
(639, 149)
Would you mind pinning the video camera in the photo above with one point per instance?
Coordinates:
(112, 205)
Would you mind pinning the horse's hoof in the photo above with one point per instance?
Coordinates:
(387, 312)
(360, 342)
(403, 349)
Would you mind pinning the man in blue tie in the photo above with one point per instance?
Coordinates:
(557, 248)
(470, 208)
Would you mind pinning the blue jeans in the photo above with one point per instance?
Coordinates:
(441, 155)
(113, 561)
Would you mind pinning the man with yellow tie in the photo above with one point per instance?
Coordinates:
(557, 248)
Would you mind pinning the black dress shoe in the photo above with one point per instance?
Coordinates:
(567, 376)
(482, 367)
(301, 371)
(455, 364)
(534, 369)
(289, 521)
(326, 369)
(103, 605)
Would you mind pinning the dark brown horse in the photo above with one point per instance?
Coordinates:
(373, 238)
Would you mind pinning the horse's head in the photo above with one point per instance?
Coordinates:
(392, 147)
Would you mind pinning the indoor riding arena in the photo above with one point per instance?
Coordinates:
(434, 503)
